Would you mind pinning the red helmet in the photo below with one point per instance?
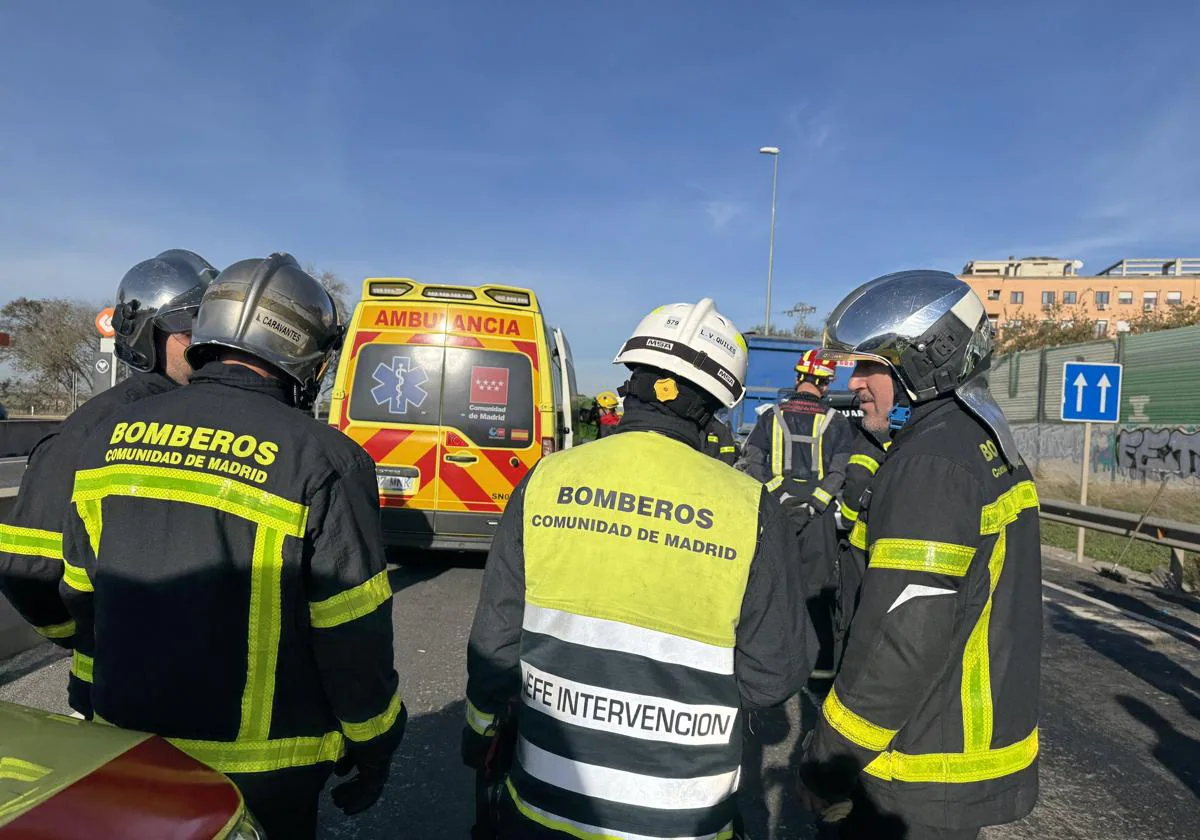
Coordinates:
(811, 364)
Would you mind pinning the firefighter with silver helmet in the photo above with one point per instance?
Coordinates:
(156, 303)
(638, 597)
(930, 730)
(224, 567)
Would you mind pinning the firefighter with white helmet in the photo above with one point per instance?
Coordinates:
(156, 303)
(631, 695)
(930, 729)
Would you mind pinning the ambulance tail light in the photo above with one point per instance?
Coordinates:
(509, 297)
(547, 446)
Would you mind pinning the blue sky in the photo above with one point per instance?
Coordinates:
(603, 153)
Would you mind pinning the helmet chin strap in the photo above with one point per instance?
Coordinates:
(901, 407)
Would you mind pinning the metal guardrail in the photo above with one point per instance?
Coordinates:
(1177, 536)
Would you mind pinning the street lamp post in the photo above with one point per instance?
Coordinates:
(773, 151)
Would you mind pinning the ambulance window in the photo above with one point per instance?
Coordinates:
(397, 383)
(488, 395)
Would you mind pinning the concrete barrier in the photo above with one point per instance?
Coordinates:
(18, 437)
(15, 634)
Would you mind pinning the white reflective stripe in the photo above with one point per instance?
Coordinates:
(544, 817)
(916, 590)
(624, 787)
(640, 716)
(626, 638)
(481, 722)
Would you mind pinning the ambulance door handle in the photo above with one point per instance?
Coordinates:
(462, 459)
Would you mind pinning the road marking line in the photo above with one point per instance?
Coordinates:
(1178, 632)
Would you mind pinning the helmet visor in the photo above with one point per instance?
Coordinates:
(178, 315)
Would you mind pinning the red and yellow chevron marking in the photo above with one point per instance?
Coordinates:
(485, 485)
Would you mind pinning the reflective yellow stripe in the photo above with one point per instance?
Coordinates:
(849, 514)
(853, 728)
(353, 603)
(264, 756)
(921, 556)
(19, 770)
(865, 461)
(976, 688)
(819, 447)
(774, 484)
(57, 631)
(266, 623)
(956, 768)
(77, 578)
(725, 450)
(1008, 507)
(31, 541)
(776, 447)
(713, 439)
(858, 535)
(189, 487)
(376, 726)
(81, 666)
(823, 495)
(481, 722)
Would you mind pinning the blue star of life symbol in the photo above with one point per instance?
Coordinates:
(399, 385)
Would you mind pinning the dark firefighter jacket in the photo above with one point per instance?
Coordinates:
(223, 565)
(637, 596)
(821, 440)
(719, 443)
(935, 704)
(31, 539)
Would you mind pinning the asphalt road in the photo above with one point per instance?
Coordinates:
(11, 470)
(1120, 718)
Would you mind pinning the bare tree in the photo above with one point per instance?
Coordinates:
(53, 344)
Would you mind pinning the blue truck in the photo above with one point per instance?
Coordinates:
(771, 369)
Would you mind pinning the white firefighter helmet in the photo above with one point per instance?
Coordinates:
(694, 341)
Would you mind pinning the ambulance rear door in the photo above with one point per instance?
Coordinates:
(394, 411)
(489, 415)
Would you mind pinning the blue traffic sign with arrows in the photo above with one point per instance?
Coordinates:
(1091, 392)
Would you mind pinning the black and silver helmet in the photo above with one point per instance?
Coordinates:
(933, 332)
(272, 310)
(161, 294)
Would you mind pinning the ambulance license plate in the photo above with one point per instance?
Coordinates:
(397, 483)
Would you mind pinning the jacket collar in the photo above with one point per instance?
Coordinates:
(652, 417)
(241, 377)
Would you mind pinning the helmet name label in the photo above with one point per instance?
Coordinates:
(280, 327)
(725, 344)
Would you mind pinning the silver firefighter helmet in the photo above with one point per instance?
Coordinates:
(160, 294)
(932, 330)
(272, 310)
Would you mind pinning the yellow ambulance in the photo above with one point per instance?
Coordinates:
(455, 391)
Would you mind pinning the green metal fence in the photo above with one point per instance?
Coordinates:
(1160, 405)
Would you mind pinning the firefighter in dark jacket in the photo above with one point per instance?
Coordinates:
(719, 442)
(223, 562)
(930, 730)
(156, 303)
(801, 449)
(638, 596)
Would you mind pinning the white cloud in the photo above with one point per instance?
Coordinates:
(723, 211)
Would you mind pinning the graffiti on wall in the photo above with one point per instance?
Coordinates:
(1159, 451)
